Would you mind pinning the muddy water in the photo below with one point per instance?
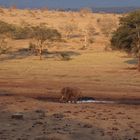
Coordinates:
(93, 100)
(84, 100)
(131, 102)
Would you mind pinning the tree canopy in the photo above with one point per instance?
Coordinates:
(127, 36)
(42, 34)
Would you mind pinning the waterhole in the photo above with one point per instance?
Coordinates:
(83, 100)
(88, 100)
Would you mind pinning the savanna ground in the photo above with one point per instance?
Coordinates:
(98, 73)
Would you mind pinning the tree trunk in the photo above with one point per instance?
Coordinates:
(67, 35)
(139, 62)
(85, 45)
(40, 53)
(85, 42)
(138, 47)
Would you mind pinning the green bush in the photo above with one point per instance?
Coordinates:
(127, 36)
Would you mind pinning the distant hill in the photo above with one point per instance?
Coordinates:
(118, 10)
(30, 5)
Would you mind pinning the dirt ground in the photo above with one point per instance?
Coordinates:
(106, 75)
(58, 121)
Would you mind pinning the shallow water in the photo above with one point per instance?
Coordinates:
(84, 100)
(131, 102)
(96, 101)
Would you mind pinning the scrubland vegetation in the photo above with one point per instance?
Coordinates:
(72, 36)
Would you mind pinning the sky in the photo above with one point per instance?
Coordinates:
(70, 3)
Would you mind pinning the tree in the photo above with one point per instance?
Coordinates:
(42, 34)
(107, 26)
(69, 29)
(89, 32)
(127, 36)
(4, 48)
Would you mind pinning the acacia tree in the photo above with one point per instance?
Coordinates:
(107, 26)
(43, 34)
(127, 36)
(89, 32)
(69, 29)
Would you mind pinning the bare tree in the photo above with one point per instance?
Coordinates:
(107, 26)
(69, 29)
(89, 32)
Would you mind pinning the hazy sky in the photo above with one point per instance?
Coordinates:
(69, 3)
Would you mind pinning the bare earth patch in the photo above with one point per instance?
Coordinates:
(67, 121)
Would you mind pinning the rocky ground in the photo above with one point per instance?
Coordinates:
(30, 119)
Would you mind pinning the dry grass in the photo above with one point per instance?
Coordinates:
(98, 73)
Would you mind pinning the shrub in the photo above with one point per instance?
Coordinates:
(14, 31)
(6, 28)
(89, 35)
(33, 48)
(22, 32)
(69, 29)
